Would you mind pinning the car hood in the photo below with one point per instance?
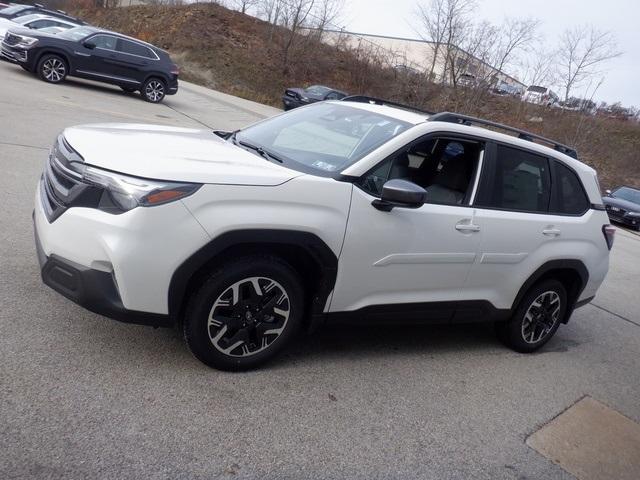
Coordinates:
(175, 154)
(619, 202)
(22, 30)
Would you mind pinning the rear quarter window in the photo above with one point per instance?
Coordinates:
(569, 197)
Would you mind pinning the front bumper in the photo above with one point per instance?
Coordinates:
(630, 221)
(117, 265)
(14, 55)
(92, 289)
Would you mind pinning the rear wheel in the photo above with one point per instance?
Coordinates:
(245, 313)
(52, 68)
(153, 90)
(536, 319)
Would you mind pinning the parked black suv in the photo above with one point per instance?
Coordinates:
(95, 54)
(18, 10)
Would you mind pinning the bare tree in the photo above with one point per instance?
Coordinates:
(294, 17)
(515, 35)
(582, 55)
(244, 5)
(538, 66)
(443, 23)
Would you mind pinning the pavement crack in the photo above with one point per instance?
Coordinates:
(23, 145)
(188, 116)
(621, 317)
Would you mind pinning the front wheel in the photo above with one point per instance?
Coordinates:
(153, 90)
(245, 313)
(536, 319)
(52, 68)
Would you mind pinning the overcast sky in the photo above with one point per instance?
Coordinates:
(622, 17)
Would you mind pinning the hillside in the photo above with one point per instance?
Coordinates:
(244, 56)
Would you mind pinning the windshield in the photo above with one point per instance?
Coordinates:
(536, 89)
(323, 139)
(77, 33)
(628, 194)
(317, 90)
(14, 9)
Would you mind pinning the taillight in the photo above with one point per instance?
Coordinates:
(175, 70)
(609, 235)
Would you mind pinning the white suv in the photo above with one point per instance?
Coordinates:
(341, 210)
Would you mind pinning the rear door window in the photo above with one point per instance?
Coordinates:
(569, 196)
(520, 181)
(133, 48)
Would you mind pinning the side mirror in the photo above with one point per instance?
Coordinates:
(400, 193)
(89, 44)
(608, 192)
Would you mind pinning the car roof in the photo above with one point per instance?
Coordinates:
(40, 16)
(417, 118)
(408, 116)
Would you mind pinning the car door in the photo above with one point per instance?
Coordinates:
(512, 212)
(134, 59)
(410, 262)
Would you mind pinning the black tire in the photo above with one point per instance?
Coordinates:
(128, 89)
(154, 90)
(536, 319)
(227, 309)
(52, 68)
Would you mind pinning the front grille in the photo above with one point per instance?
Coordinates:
(11, 39)
(60, 186)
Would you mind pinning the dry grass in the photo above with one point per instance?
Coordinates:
(241, 55)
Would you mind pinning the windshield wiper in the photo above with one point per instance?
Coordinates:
(259, 150)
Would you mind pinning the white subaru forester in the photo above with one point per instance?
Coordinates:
(342, 210)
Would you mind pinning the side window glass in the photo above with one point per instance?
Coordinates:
(105, 42)
(373, 181)
(132, 48)
(571, 198)
(522, 182)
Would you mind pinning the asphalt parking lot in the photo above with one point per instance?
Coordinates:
(86, 397)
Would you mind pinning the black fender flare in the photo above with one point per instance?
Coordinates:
(566, 264)
(323, 257)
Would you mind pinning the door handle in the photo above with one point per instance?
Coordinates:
(467, 227)
(551, 232)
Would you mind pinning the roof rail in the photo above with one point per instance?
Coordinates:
(379, 101)
(524, 135)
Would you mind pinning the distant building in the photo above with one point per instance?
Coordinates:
(421, 55)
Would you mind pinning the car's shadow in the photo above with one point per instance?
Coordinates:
(85, 84)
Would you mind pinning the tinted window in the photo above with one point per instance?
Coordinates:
(520, 182)
(106, 42)
(38, 24)
(17, 8)
(133, 48)
(570, 195)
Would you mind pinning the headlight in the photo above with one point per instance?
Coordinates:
(304, 99)
(633, 214)
(26, 41)
(123, 193)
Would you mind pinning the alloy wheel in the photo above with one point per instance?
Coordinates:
(154, 90)
(248, 316)
(541, 316)
(53, 70)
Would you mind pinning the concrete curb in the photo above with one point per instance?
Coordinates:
(248, 106)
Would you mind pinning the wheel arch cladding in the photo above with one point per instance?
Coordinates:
(308, 254)
(573, 275)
